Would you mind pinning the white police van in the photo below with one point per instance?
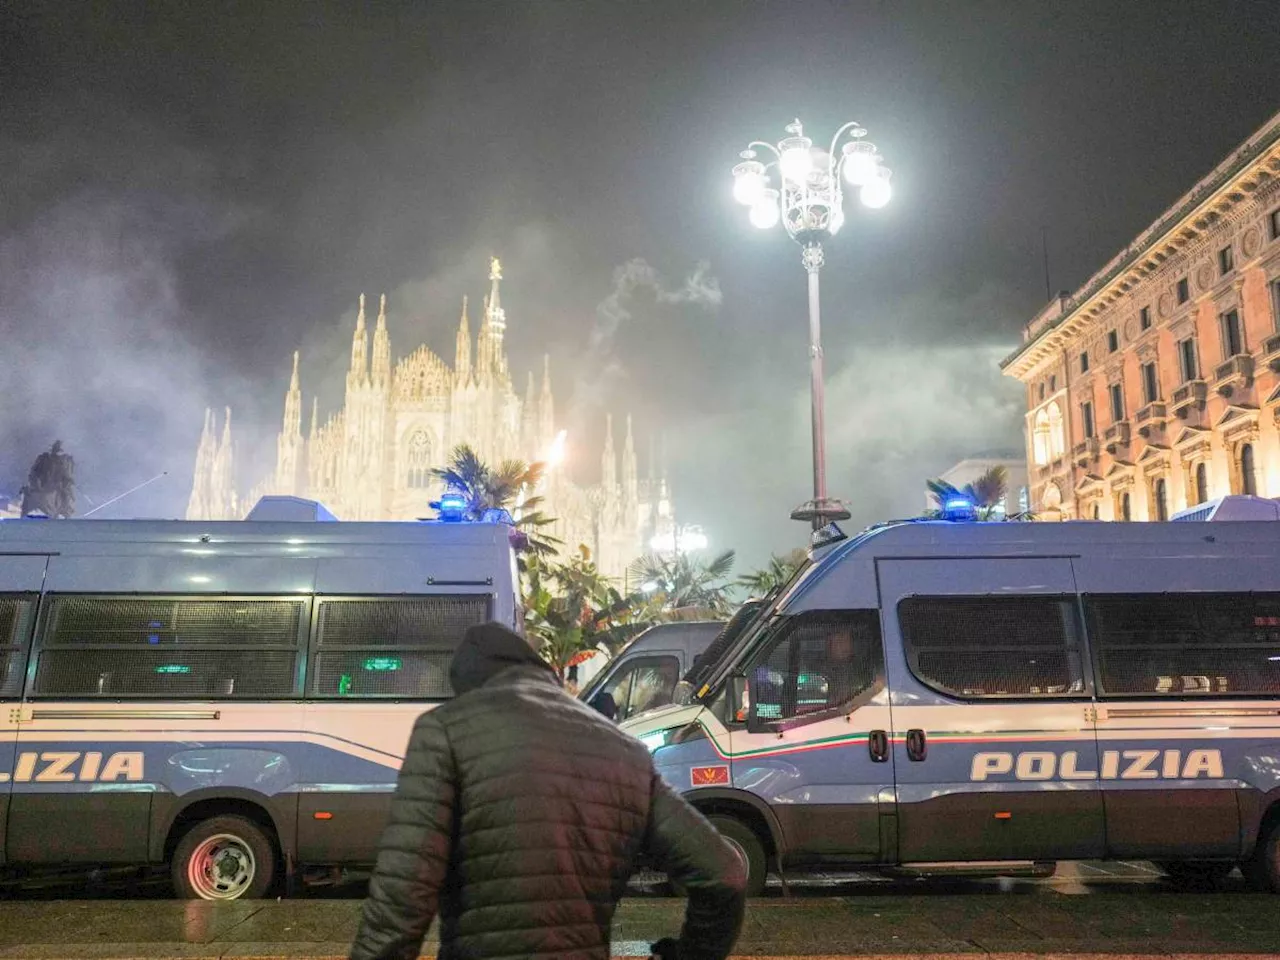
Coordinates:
(230, 698)
(993, 697)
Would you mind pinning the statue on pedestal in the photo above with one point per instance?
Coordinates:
(51, 485)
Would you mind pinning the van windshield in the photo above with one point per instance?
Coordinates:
(737, 632)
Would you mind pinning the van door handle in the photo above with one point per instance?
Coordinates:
(878, 746)
(917, 746)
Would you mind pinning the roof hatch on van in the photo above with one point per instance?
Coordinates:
(1236, 507)
(290, 509)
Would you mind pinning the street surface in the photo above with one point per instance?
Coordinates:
(1086, 909)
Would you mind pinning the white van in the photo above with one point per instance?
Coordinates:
(935, 696)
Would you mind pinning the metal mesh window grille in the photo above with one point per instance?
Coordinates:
(170, 648)
(993, 647)
(1188, 644)
(172, 621)
(391, 648)
(15, 614)
(821, 662)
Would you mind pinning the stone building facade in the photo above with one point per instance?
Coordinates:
(1156, 386)
(372, 459)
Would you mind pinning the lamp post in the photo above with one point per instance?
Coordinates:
(801, 186)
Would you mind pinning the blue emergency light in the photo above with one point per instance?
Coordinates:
(958, 509)
(452, 507)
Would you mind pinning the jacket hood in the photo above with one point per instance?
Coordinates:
(486, 650)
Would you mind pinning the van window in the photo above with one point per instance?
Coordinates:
(15, 618)
(819, 662)
(993, 647)
(644, 684)
(400, 648)
(1186, 644)
(167, 647)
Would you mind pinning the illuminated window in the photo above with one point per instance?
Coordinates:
(1057, 436)
(1040, 439)
(418, 461)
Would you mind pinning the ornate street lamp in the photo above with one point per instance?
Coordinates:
(803, 186)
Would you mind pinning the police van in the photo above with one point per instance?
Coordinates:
(942, 696)
(230, 698)
(644, 674)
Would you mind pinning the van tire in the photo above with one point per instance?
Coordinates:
(224, 858)
(748, 846)
(1262, 870)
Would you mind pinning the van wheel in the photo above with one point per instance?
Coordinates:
(748, 846)
(224, 858)
(1195, 872)
(1262, 870)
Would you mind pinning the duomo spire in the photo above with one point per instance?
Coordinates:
(372, 459)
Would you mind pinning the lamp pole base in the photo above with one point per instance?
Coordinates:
(819, 513)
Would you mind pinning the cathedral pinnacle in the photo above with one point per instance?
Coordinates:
(495, 269)
(293, 380)
(359, 371)
(382, 311)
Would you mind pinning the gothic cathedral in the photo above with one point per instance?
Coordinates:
(372, 460)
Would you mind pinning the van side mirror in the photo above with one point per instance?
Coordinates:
(604, 703)
(683, 694)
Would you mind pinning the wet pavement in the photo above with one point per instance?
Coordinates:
(1084, 910)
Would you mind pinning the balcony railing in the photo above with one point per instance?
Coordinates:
(1189, 397)
(1236, 373)
(1271, 352)
(1152, 411)
(1117, 436)
(1086, 450)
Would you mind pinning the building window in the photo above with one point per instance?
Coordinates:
(1126, 507)
(1150, 383)
(1113, 341)
(1041, 390)
(1187, 355)
(1232, 341)
(1226, 260)
(1248, 474)
(1160, 493)
(1144, 318)
(820, 663)
(1086, 417)
(1202, 482)
(1275, 304)
(1097, 511)
(1057, 437)
(1184, 290)
(1117, 403)
(993, 647)
(1053, 383)
(646, 684)
(419, 461)
(1084, 361)
(1185, 644)
(1273, 223)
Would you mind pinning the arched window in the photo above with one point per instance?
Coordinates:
(1202, 482)
(1248, 474)
(1040, 439)
(1160, 493)
(418, 461)
(1057, 436)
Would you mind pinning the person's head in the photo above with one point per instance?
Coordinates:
(485, 651)
(840, 646)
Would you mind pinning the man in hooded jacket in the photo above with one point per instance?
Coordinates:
(519, 816)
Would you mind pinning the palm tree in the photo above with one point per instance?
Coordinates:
(987, 493)
(775, 574)
(683, 582)
(488, 489)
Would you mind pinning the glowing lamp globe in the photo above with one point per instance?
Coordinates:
(836, 221)
(860, 163)
(796, 161)
(764, 212)
(748, 182)
(876, 193)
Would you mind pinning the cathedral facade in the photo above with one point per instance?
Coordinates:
(373, 459)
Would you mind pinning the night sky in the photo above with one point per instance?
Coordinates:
(189, 197)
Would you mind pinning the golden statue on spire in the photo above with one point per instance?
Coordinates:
(495, 269)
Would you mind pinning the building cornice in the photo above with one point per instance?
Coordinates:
(1252, 168)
